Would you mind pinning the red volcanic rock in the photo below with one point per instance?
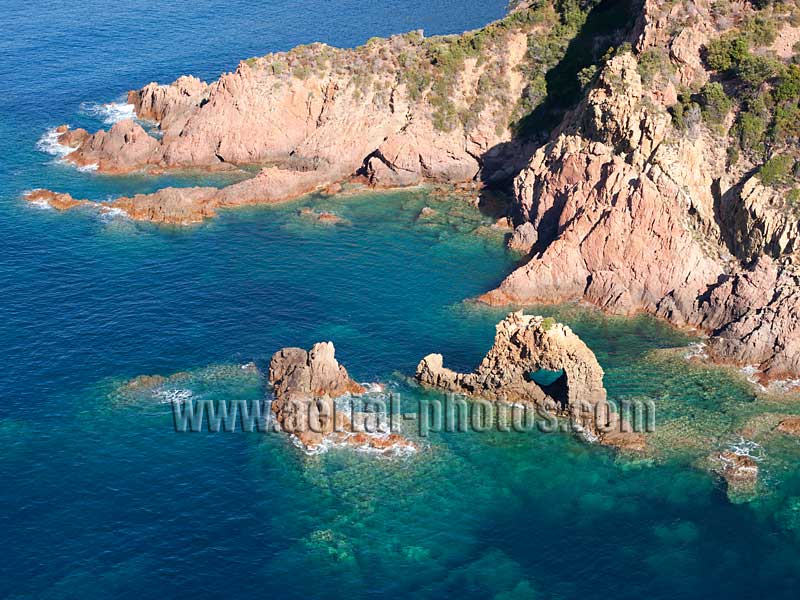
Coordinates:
(739, 471)
(305, 384)
(628, 220)
(325, 120)
(524, 238)
(125, 147)
(71, 138)
(172, 206)
(790, 425)
(525, 344)
(324, 217)
(54, 199)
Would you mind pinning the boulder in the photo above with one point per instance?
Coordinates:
(739, 471)
(790, 425)
(524, 238)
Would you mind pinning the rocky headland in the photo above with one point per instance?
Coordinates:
(651, 148)
(653, 197)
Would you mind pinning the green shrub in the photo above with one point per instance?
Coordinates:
(714, 104)
(681, 110)
(787, 123)
(732, 153)
(760, 31)
(587, 75)
(725, 53)
(652, 63)
(777, 170)
(755, 70)
(750, 129)
(788, 85)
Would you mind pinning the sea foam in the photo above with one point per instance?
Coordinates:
(109, 112)
(49, 144)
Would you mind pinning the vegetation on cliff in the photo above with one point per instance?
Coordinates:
(566, 41)
(753, 97)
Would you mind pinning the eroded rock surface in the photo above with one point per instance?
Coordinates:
(790, 425)
(305, 385)
(632, 216)
(523, 346)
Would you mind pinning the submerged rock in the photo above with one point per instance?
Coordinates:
(54, 200)
(525, 345)
(305, 385)
(739, 471)
(323, 217)
(790, 425)
(427, 213)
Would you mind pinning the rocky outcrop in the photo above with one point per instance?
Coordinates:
(54, 200)
(305, 386)
(790, 425)
(739, 471)
(633, 217)
(322, 217)
(524, 238)
(186, 206)
(760, 222)
(523, 346)
(399, 111)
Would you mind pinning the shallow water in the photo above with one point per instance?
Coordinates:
(103, 499)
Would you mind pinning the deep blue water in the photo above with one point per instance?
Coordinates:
(101, 498)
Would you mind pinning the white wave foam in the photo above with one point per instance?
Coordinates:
(49, 144)
(109, 112)
(785, 385)
(109, 213)
(696, 350)
(750, 372)
(87, 168)
(749, 448)
(40, 205)
(373, 388)
(179, 396)
(397, 450)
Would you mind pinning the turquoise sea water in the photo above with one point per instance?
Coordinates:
(101, 498)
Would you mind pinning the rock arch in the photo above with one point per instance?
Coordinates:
(524, 344)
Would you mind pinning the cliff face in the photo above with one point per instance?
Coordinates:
(635, 214)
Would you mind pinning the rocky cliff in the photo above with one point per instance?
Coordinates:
(639, 204)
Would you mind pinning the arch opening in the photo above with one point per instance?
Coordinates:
(552, 382)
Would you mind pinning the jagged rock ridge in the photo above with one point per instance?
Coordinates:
(633, 214)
